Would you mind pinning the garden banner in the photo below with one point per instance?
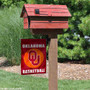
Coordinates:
(33, 56)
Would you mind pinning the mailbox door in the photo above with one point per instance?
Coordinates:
(48, 23)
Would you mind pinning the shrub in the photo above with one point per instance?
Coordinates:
(11, 31)
(85, 28)
(71, 47)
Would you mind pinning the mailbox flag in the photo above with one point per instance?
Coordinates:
(33, 56)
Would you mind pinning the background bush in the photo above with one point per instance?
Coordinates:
(11, 31)
(74, 44)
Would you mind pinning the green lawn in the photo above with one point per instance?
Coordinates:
(11, 80)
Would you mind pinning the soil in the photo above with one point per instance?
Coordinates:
(65, 70)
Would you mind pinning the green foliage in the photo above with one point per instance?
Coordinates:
(31, 1)
(71, 46)
(88, 55)
(6, 2)
(11, 31)
(85, 25)
(12, 3)
(85, 29)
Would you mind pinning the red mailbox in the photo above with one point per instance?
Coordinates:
(45, 19)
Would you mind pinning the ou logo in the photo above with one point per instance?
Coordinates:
(33, 58)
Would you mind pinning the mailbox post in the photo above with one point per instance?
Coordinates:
(53, 79)
(47, 20)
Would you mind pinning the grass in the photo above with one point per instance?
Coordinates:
(11, 80)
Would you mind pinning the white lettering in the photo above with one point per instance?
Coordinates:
(33, 46)
(33, 71)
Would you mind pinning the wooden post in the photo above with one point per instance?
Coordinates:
(53, 80)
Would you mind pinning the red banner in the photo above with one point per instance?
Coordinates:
(33, 56)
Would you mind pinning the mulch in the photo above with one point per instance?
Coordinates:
(65, 71)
